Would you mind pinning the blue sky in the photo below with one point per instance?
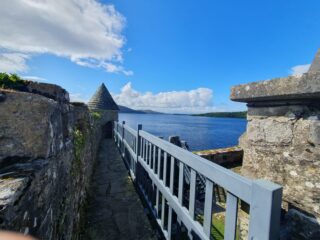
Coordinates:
(171, 56)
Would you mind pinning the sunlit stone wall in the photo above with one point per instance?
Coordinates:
(282, 144)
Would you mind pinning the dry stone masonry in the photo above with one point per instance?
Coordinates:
(282, 144)
(47, 151)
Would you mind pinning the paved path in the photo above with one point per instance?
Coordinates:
(115, 210)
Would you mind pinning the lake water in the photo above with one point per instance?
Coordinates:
(200, 132)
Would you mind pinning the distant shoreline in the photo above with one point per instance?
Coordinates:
(243, 114)
(223, 114)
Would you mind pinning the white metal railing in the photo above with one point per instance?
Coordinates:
(157, 167)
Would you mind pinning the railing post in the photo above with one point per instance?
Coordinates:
(118, 140)
(114, 130)
(138, 139)
(265, 210)
(122, 136)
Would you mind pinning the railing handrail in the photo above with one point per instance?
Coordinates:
(239, 186)
(264, 197)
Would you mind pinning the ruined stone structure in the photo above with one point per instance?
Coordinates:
(47, 150)
(282, 144)
(227, 157)
(103, 104)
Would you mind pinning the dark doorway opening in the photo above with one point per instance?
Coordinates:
(107, 130)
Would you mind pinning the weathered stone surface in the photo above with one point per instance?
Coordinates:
(11, 189)
(52, 91)
(279, 89)
(227, 157)
(315, 66)
(2, 96)
(301, 226)
(47, 151)
(286, 151)
(111, 115)
(282, 144)
(114, 208)
(31, 126)
(102, 100)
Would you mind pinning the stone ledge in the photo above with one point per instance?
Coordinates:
(52, 91)
(305, 87)
(227, 157)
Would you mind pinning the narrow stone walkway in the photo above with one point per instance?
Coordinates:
(114, 208)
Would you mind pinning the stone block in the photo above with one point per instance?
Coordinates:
(52, 91)
(291, 88)
(30, 126)
(314, 135)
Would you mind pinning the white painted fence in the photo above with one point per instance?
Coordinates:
(157, 167)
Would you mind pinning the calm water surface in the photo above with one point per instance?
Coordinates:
(199, 132)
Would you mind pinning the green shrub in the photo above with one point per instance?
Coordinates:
(79, 141)
(12, 81)
(96, 115)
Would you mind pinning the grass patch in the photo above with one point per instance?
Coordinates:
(217, 227)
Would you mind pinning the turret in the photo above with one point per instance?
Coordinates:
(103, 104)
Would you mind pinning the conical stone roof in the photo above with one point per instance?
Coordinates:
(102, 100)
(315, 66)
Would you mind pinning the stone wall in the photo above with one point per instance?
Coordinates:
(282, 144)
(227, 157)
(47, 151)
(110, 115)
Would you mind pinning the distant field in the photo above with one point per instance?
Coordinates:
(224, 114)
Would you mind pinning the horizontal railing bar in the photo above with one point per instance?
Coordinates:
(129, 129)
(182, 212)
(263, 197)
(119, 136)
(132, 153)
(232, 182)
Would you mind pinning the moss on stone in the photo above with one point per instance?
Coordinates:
(96, 115)
(79, 141)
(78, 148)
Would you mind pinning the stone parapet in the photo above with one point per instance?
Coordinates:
(282, 144)
(51, 91)
(47, 151)
(284, 90)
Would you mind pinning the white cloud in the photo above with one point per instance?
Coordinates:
(299, 69)
(116, 69)
(77, 97)
(193, 101)
(13, 62)
(85, 31)
(34, 78)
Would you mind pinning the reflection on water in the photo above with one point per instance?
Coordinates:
(199, 132)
